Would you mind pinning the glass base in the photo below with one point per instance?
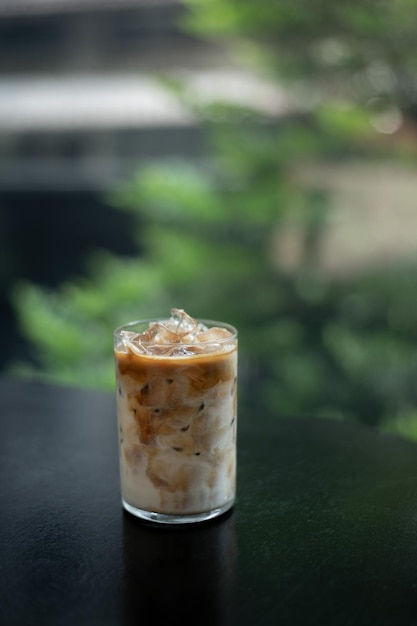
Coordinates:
(162, 518)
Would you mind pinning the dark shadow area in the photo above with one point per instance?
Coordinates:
(188, 573)
(47, 238)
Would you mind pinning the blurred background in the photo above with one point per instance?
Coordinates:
(248, 160)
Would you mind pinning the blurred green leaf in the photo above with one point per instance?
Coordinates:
(206, 231)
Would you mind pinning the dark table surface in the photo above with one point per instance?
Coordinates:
(324, 530)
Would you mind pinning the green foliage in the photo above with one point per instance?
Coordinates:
(71, 329)
(207, 232)
(361, 49)
(307, 345)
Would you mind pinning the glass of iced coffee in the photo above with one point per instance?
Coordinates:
(176, 402)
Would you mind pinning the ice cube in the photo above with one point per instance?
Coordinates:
(185, 350)
(181, 335)
(180, 322)
(213, 339)
(139, 348)
(213, 335)
(147, 336)
(164, 335)
(126, 337)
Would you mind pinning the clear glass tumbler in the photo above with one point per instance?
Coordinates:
(177, 414)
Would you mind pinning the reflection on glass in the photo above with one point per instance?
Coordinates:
(179, 573)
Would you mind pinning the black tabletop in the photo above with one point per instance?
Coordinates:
(324, 530)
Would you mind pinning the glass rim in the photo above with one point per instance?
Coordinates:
(209, 323)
